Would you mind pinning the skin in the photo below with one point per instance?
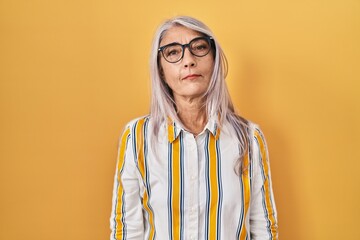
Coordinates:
(189, 79)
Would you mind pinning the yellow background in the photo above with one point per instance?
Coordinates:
(72, 73)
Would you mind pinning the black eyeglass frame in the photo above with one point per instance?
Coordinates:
(209, 39)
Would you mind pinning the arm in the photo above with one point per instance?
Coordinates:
(263, 215)
(126, 221)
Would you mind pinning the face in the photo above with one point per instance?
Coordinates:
(188, 78)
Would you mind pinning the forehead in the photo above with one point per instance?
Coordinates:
(179, 34)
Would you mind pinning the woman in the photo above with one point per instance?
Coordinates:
(193, 168)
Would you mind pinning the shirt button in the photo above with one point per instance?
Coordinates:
(193, 177)
(192, 237)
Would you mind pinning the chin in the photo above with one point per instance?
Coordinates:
(193, 95)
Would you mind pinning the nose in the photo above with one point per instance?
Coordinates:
(188, 58)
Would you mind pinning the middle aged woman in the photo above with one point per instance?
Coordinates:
(193, 168)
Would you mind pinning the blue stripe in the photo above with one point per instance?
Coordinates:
(272, 207)
(170, 189)
(207, 181)
(266, 213)
(250, 153)
(147, 177)
(174, 126)
(181, 187)
(218, 155)
(260, 161)
(133, 133)
(242, 209)
(263, 190)
(123, 217)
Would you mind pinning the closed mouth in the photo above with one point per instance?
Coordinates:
(191, 76)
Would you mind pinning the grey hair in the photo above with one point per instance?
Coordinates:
(217, 98)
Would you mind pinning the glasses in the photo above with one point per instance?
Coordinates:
(199, 47)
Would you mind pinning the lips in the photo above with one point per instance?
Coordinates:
(191, 76)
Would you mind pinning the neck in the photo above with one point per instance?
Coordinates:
(192, 114)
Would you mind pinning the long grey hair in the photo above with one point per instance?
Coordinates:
(217, 100)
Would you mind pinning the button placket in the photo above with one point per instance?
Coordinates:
(193, 187)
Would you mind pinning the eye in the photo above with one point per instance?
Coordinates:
(172, 51)
(200, 46)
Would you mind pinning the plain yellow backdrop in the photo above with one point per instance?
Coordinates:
(72, 73)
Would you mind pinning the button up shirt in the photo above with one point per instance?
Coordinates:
(179, 186)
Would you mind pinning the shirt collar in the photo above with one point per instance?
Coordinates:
(173, 131)
(175, 128)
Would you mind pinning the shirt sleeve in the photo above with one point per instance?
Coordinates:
(263, 215)
(126, 221)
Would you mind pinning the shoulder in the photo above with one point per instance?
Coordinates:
(258, 145)
(255, 132)
(258, 142)
(132, 132)
(133, 126)
(146, 127)
(137, 121)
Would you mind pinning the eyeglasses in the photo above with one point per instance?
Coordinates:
(199, 47)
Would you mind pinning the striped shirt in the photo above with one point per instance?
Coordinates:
(185, 187)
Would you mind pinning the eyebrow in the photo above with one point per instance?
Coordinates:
(172, 43)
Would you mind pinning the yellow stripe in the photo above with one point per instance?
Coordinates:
(246, 186)
(119, 204)
(214, 191)
(265, 165)
(176, 188)
(171, 130)
(140, 147)
(141, 165)
(151, 216)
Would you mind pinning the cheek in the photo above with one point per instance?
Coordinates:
(169, 73)
(212, 65)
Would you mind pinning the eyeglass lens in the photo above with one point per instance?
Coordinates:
(198, 47)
